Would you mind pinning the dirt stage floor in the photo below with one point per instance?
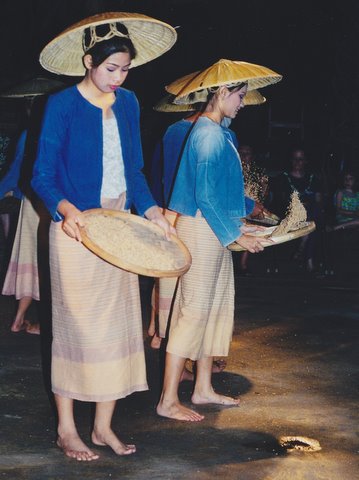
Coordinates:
(293, 360)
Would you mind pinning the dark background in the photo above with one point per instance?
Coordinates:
(313, 44)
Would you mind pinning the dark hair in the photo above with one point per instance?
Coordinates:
(232, 88)
(352, 173)
(102, 50)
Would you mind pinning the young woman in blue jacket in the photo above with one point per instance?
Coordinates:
(208, 195)
(90, 156)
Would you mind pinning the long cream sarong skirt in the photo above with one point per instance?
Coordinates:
(22, 276)
(97, 350)
(163, 290)
(203, 314)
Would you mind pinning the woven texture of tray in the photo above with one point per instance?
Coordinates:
(134, 244)
(307, 228)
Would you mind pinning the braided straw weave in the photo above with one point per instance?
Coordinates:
(166, 104)
(223, 72)
(134, 243)
(151, 38)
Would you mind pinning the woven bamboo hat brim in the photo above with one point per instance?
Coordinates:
(166, 105)
(33, 88)
(254, 97)
(151, 38)
(223, 72)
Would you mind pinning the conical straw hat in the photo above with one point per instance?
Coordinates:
(223, 72)
(151, 38)
(33, 88)
(166, 105)
(254, 97)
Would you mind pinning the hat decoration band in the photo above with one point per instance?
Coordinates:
(201, 96)
(94, 38)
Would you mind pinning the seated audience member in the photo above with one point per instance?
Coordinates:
(299, 178)
(347, 202)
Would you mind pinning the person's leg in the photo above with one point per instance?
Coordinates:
(244, 261)
(68, 438)
(156, 339)
(169, 404)
(33, 328)
(103, 434)
(203, 391)
(152, 325)
(19, 320)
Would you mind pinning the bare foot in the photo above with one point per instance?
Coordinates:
(177, 411)
(74, 447)
(213, 397)
(186, 375)
(109, 438)
(156, 342)
(18, 325)
(33, 328)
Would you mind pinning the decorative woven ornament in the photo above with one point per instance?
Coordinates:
(223, 72)
(151, 38)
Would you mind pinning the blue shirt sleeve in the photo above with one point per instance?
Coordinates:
(249, 204)
(10, 181)
(44, 180)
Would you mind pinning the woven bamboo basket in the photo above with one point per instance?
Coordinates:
(306, 228)
(134, 243)
(268, 219)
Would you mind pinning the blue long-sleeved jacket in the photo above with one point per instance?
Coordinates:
(69, 158)
(10, 181)
(209, 178)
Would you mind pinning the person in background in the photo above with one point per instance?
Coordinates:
(22, 279)
(164, 288)
(299, 178)
(347, 202)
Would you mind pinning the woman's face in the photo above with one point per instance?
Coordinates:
(349, 181)
(232, 101)
(111, 73)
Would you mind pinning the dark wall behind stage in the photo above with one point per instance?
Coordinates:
(313, 44)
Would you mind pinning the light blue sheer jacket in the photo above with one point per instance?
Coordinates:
(209, 178)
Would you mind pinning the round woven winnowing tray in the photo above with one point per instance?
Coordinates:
(305, 229)
(134, 243)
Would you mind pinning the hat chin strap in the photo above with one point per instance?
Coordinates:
(113, 32)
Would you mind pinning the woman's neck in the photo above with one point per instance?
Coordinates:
(95, 96)
(214, 116)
